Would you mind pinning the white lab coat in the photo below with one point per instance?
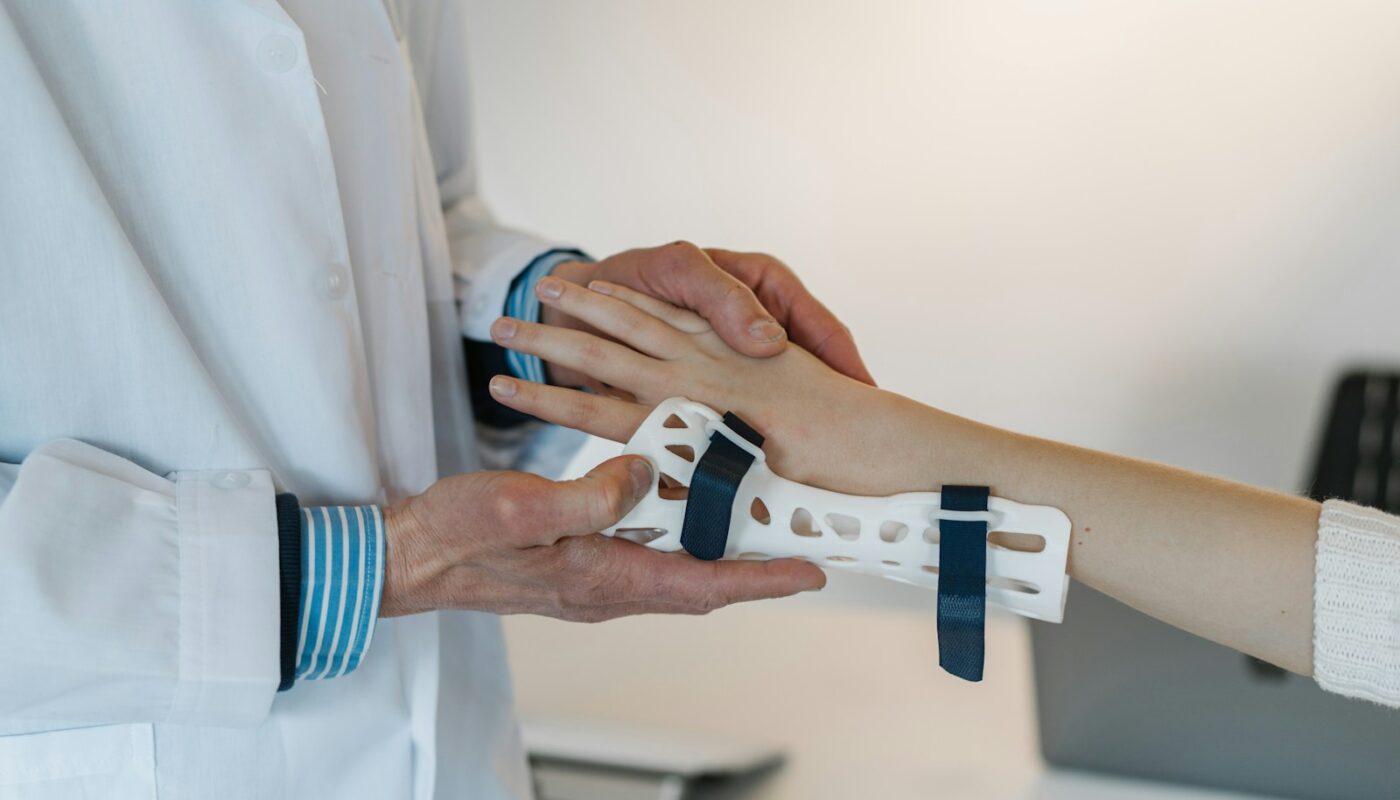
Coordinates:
(239, 244)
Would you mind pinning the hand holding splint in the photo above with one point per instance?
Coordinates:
(1172, 543)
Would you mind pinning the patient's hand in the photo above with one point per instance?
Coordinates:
(1171, 543)
(823, 428)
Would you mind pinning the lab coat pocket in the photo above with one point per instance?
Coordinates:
(114, 762)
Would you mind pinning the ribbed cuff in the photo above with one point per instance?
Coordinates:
(1356, 603)
(289, 576)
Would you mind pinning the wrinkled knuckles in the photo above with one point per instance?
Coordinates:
(711, 600)
(579, 555)
(679, 259)
(513, 508)
(684, 251)
(586, 588)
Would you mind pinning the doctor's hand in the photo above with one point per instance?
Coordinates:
(824, 428)
(753, 301)
(516, 543)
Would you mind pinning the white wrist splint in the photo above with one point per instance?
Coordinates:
(894, 537)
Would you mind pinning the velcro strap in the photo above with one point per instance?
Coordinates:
(962, 584)
(713, 487)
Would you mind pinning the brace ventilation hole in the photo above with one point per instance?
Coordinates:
(892, 532)
(674, 421)
(1020, 542)
(846, 526)
(931, 535)
(803, 524)
(753, 556)
(1021, 587)
(929, 568)
(671, 489)
(889, 563)
(640, 535)
(842, 559)
(759, 512)
(685, 451)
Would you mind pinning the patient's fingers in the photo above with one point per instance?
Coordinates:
(612, 363)
(620, 320)
(679, 318)
(600, 416)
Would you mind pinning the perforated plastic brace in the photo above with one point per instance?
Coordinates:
(894, 537)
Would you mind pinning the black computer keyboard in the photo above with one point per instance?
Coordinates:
(1359, 457)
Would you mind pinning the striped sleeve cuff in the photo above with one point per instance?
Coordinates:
(521, 303)
(342, 569)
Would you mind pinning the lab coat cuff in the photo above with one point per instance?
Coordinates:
(505, 254)
(229, 643)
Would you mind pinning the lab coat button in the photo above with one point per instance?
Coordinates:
(277, 53)
(231, 480)
(337, 283)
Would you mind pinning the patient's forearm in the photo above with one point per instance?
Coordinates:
(1225, 561)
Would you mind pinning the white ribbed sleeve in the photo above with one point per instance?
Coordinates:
(1356, 605)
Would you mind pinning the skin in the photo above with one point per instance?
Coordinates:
(510, 542)
(752, 300)
(515, 543)
(1225, 561)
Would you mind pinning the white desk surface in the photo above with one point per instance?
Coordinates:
(851, 692)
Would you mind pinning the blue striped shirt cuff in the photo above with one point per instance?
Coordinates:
(342, 578)
(521, 303)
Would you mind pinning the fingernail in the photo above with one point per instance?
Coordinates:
(642, 474)
(765, 330)
(550, 287)
(601, 287)
(501, 386)
(504, 328)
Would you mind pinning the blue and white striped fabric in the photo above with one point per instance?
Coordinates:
(522, 303)
(342, 552)
(342, 577)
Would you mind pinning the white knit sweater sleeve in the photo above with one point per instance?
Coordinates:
(1356, 604)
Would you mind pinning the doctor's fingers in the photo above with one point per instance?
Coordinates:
(680, 579)
(625, 322)
(593, 356)
(683, 274)
(810, 323)
(606, 417)
(556, 510)
(617, 578)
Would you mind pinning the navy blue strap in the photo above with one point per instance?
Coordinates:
(962, 584)
(713, 487)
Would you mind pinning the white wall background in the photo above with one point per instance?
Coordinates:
(1153, 226)
(1158, 227)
